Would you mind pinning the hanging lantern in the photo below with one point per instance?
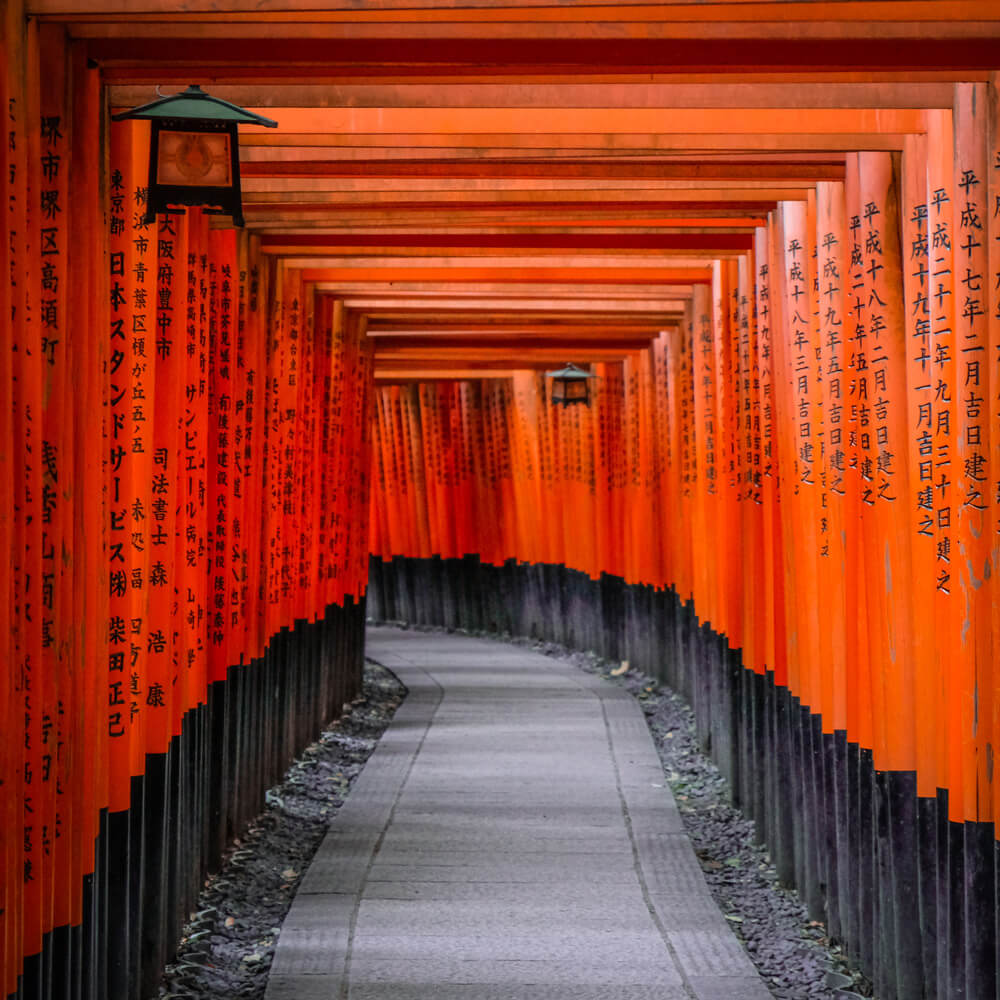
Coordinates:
(570, 385)
(194, 152)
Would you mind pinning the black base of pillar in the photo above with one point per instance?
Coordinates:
(152, 859)
(912, 897)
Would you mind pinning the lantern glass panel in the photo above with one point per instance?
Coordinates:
(195, 159)
(576, 391)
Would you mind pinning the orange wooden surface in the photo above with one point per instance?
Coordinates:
(801, 421)
(974, 386)
(940, 181)
(10, 808)
(134, 546)
(831, 270)
(993, 307)
(769, 227)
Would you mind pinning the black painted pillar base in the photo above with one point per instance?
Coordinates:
(151, 860)
(912, 896)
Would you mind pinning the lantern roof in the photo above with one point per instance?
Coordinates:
(194, 103)
(571, 372)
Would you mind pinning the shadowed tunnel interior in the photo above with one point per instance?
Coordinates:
(769, 229)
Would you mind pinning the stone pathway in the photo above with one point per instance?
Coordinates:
(512, 838)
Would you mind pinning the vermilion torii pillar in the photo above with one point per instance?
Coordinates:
(770, 229)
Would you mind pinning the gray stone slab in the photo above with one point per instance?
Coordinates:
(522, 991)
(580, 971)
(640, 770)
(449, 783)
(303, 987)
(514, 872)
(666, 852)
(655, 820)
(488, 813)
(320, 911)
(389, 768)
(564, 864)
(320, 950)
(686, 911)
(572, 816)
(486, 841)
(580, 889)
(535, 915)
(351, 844)
(487, 846)
(714, 952)
(730, 988)
(331, 876)
(540, 945)
(631, 735)
(671, 881)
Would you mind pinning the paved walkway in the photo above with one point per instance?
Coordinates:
(510, 839)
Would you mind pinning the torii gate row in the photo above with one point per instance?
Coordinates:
(769, 228)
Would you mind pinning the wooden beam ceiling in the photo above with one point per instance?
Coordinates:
(499, 184)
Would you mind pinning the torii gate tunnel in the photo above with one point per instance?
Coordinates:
(771, 229)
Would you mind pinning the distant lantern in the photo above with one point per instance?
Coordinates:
(570, 385)
(194, 152)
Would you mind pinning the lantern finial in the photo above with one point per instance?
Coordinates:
(570, 385)
(194, 153)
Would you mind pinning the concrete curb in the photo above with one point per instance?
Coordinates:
(313, 949)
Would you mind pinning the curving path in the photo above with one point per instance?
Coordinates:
(511, 838)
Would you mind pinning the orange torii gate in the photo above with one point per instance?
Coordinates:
(769, 227)
(829, 441)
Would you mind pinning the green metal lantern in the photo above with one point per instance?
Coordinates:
(194, 152)
(570, 385)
